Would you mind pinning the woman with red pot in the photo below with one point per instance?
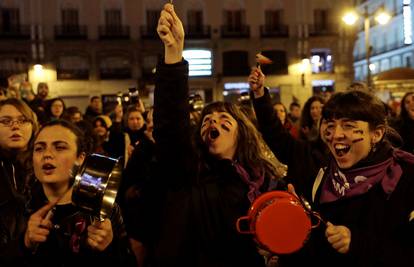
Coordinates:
(207, 181)
(363, 188)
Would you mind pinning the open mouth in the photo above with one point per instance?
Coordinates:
(48, 167)
(341, 149)
(213, 134)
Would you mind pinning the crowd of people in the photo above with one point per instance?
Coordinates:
(190, 172)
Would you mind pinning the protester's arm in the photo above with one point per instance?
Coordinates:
(171, 109)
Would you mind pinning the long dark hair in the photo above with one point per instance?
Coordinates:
(306, 118)
(252, 152)
(404, 113)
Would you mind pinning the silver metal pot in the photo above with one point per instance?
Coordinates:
(96, 185)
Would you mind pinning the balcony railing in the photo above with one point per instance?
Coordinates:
(149, 32)
(15, 32)
(235, 31)
(323, 29)
(76, 32)
(279, 30)
(111, 32)
(198, 32)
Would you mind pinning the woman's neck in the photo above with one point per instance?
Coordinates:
(60, 194)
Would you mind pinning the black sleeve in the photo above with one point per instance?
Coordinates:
(298, 155)
(172, 131)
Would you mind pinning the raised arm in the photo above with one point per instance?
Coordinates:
(171, 109)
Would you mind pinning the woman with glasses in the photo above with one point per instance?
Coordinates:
(18, 124)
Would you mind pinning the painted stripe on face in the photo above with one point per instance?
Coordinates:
(358, 132)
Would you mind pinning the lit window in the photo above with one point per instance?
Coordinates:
(199, 61)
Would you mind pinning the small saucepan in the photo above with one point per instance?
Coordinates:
(279, 222)
(96, 185)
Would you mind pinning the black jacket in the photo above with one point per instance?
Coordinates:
(12, 209)
(381, 233)
(66, 244)
(199, 200)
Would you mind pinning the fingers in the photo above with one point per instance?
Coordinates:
(100, 235)
(42, 212)
(339, 237)
(291, 190)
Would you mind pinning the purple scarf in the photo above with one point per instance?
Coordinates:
(354, 182)
(254, 186)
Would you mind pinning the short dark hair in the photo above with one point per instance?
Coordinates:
(94, 97)
(294, 104)
(356, 105)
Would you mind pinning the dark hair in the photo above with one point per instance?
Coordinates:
(404, 113)
(294, 104)
(81, 145)
(50, 103)
(101, 120)
(93, 98)
(251, 149)
(363, 106)
(356, 105)
(306, 118)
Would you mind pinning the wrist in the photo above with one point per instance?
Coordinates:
(173, 56)
(259, 92)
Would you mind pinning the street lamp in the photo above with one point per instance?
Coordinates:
(381, 17)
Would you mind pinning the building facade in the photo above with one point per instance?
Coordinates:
(391, 45)
(101, 47)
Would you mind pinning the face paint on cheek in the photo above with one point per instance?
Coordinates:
(358, 132)
(327, 135)
(224, 127)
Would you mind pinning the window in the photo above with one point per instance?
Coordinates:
(70, 18)
(320, 18)
(273, 19)
(72, 67)
(10, 19)
(115, 67)
(113, 18)
(234, 20)
(195, 20)
(12, 65)
(199, 62)
(321, 60)
(235, 63)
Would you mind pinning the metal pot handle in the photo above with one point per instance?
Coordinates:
(239, 220)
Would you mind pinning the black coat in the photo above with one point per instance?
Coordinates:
(13, 198)
(66, 244)
(381, 234)
(199, 199)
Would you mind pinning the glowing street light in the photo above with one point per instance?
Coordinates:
(382, 17)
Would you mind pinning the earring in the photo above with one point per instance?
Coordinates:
(373, 147)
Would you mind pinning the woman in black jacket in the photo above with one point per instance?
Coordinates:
(364, 189)
(59, 233)
(204, 185)
(18, 125)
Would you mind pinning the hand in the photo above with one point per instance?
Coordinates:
(256, 82)
(339, 237)
(100, 235)
(38, 226)
(171, 31)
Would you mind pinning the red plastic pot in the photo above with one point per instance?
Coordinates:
(278, 221)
